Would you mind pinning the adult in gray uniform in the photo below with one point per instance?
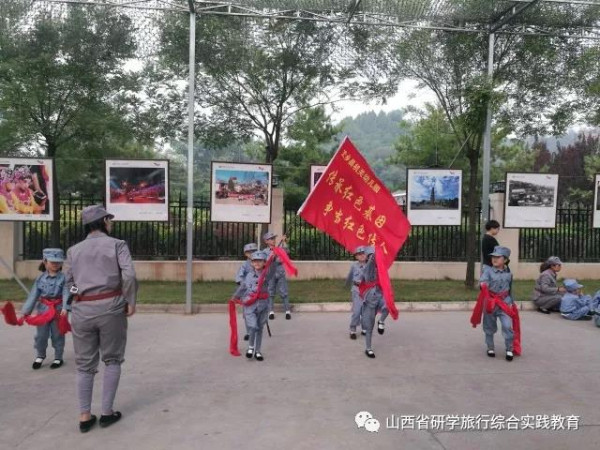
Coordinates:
(101, 276)
(547, 294)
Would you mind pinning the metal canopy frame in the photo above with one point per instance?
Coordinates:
(491, 17)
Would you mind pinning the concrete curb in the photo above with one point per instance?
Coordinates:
(321, 307)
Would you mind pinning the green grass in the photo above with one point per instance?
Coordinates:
(155, 292)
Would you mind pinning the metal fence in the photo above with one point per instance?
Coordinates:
(574, 239)
(149, 240)
(425, 243)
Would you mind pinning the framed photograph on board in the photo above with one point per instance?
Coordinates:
(596, 201)
(240, 192)
(315, 174)
(137, 189)
(530, 200)
(434, 196)
(26, 189)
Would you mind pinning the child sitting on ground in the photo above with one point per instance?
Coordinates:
(576, 306)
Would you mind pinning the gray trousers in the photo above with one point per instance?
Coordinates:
(548, 301)
(279, 283)
(256, 318)
(373, 302)
(99, 331)
(356, 309)
(103, 335)
(40, 341)
(490, 326)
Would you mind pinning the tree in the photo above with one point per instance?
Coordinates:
(253, 77)
(311, 141)
(528, 90)
(63, 87)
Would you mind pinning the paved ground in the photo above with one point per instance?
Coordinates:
(182, 390)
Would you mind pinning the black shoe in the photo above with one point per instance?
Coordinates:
(491, 353)
(288, 315)
(250, 353)
(585, 318)
(380, 327)
(353, 335)
(370, 353)
(106, 421)
(544, 310)
(271, 315)
(37, 363)
(246, 337)
(87, 425)
(258, 356)
(56, 364)
(509, 356)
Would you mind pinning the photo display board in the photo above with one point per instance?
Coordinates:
(26, 189)
(315, 174)
(138, 189)
(434, 196)
(240, 192)
(530, 200)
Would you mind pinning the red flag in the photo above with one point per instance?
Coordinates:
(354, 207)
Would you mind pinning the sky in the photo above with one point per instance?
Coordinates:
(408, 95)
(242, 176)
(446, 187)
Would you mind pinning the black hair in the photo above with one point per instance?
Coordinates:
(490, 224)
(98, 225)
(42, 267)
(544, 266)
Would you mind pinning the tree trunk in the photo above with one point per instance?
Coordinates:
(473, 200)
(55, 227)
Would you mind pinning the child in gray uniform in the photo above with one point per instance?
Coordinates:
(48, 289)
(373, 301)
(278, 281)
(102, 278)
(244, 269)
(255, 298)
(353, 279)
(499, 281)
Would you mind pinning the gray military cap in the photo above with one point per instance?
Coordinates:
(93, 213)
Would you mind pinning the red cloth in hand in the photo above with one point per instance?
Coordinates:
(10, 316)
(290, 269)
(233, 337)
(63, 324)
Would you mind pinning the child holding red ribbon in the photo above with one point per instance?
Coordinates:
(495, 302)
(49, 292)
(255, 300)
